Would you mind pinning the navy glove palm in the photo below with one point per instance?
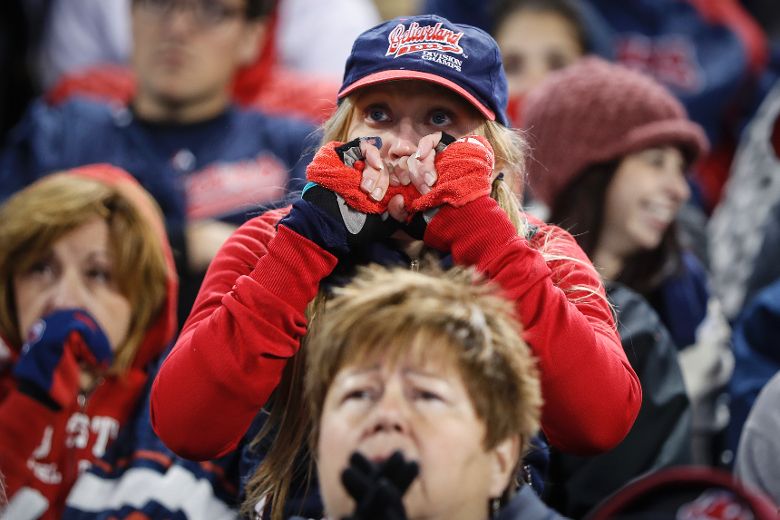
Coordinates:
(50, 364)
(324, 217)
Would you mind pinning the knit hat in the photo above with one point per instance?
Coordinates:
(462, 58)
(593, 112)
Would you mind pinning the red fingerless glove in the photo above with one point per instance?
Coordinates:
(477, 230)
(329, 171)
(464, 169)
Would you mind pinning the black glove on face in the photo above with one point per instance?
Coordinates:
(378, 489)
(350, 152)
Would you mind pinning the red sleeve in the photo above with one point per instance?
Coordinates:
(591, 393)
(23, 421)
(246, 323)
(105, 82)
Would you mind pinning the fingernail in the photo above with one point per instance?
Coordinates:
(430, 178)
(377, 194)
(367, 184)
(425, 189)
(416, 154)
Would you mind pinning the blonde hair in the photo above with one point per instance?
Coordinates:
(289, 416)
(36, 217)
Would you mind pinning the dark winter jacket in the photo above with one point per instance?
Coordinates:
(662, 432)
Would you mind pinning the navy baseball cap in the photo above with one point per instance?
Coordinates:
(462, 58)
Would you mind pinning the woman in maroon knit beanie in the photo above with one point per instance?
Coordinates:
(610, 152)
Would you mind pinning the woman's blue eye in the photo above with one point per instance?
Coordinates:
(440, 118)
(377, 114)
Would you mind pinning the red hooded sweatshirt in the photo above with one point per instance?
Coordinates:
(42, 451)
(251, 313)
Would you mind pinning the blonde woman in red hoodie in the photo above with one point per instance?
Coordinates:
(410, 167)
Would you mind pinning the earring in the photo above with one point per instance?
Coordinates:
(495, 505)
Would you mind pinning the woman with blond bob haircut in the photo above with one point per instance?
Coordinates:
(431, 364)
(414, 163)
(87, 303)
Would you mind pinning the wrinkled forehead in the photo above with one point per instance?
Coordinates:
(423, 352)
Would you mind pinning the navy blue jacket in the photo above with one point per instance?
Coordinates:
(219, 168)
(756, 356)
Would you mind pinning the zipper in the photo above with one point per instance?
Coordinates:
(84, 394)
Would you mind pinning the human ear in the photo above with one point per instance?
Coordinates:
(253, 42)
(505, 456)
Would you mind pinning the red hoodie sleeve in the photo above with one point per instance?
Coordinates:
(591, 393)
(246, 323)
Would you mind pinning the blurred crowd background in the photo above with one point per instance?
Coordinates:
(719, 58)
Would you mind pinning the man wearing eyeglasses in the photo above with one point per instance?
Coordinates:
(185, 53)
(207, 162)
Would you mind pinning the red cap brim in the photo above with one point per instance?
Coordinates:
(390, 75)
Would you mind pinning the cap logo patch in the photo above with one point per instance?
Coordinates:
(419, 38)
